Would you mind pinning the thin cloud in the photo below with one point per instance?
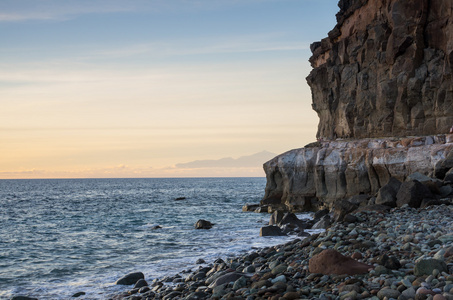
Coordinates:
(57, 10)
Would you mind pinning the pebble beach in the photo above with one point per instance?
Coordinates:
(407, 254)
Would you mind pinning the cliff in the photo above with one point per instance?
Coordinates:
(314, 177)
(385, 70)
(383, 89)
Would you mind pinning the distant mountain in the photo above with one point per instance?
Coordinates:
(254, 160)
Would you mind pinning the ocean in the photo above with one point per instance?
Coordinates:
(63, 236)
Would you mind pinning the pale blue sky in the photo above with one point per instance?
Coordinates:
(131, 88)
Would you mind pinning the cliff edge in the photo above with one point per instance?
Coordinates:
(385, 70)
(383, 89)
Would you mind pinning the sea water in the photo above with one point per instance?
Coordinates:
(63, 236)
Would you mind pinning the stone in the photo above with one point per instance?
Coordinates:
(239, 283)
(291, 219)
(130, 278)
(389, 293)
(389, 262)
(387, 194)
(23, 298)
(449, 175)
(444, 166)
(203, 224)
(426, 267)
(276, 217)
(342, 208)
(227, 278)
(409, 293)
(330, 262)
(78, 294)
(271, 231)
(250, 207)
(140, 283)
(412, 193)
(323, 223)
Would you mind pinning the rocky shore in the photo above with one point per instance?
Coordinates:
(402, 253)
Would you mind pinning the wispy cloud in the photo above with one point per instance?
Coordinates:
(57, 10)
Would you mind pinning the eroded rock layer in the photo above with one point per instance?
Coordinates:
(317, 175)
(385, 70)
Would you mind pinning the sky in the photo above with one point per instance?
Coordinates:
(135, 88)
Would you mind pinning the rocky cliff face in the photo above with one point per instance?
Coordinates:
(314, 177)
(385, 70)
(383, 73)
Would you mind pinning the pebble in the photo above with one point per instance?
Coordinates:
(410, 235)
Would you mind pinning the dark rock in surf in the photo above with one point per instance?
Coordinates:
(203, 224)
(271, 231)
(23, 298)
(140, 283)
(130, 278)
(78, 294)
(180, 198)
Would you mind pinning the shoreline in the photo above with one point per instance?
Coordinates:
(395, 244)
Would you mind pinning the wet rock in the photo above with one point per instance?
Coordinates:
(140, 283)
(330, 261)
(78, 294)
(130, 278)
(250, 207)
(276, 217)
(323, 223)
(23, 298)
(203, 224)
(271, 231)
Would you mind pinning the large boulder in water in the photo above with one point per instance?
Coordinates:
(271, 231)
(203, 224)
(130, 278)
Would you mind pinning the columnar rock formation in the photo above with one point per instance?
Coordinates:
(315, 176)
(385, 70)
(383, 73)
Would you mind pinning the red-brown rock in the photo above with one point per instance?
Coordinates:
(330, 262)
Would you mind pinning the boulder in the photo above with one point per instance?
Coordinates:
(23, 298)
(271, 231)
(227, 278)
(443, 166)
(203, 224)
(291, 219)
(276, 217)
(389, 262)
(387, 194)
(427, 266)
(412, 193)
(140, 283)
(330, 262)
(449, 175)
(250, 207)
(342, 208)
(130, 278)
(323, 223)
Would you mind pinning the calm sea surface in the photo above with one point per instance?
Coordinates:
(59, 237)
